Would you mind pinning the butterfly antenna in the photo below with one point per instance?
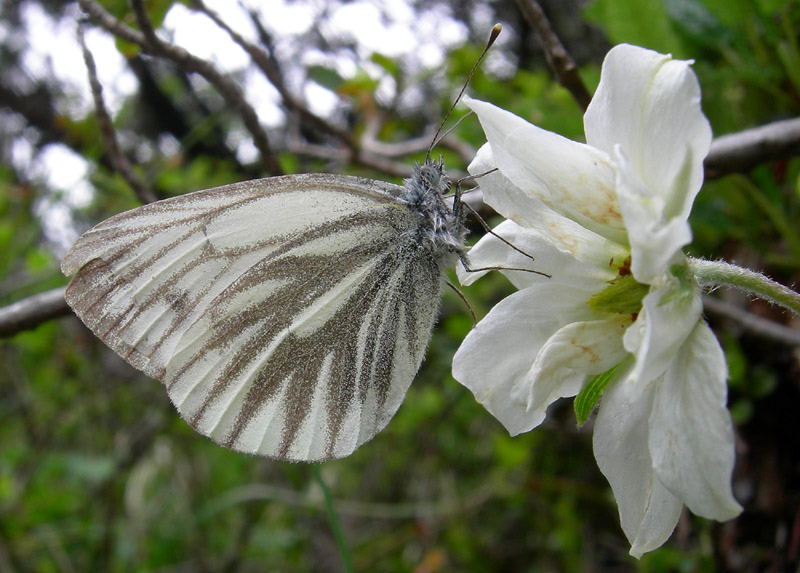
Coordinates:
(496, 29)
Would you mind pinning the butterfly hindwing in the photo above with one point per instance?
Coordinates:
(286, 316)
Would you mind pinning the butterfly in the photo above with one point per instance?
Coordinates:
(286, 316)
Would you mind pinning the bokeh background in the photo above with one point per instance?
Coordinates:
(98, 472)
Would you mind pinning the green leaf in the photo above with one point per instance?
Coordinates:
(587, 399)
(326, 77)
(622, 22)
(696, 22)
(388, 64)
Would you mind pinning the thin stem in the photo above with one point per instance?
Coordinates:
(151, 44)
(718, 273)
(118, 160)
(333, 519)
(559, 59)
(755, 325)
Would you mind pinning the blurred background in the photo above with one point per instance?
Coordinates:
(98, 472)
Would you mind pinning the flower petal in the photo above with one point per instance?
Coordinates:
(561, 266)
(667, 318)
(648, 511)
(578, 350)
(572, 178)
(565, 234)
(655, 241)
(496, 357)
(649, 104)
(691, 434)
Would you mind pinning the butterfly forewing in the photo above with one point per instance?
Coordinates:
(286, 316)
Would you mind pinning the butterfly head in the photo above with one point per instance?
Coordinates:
(432, 175)
(441, 229)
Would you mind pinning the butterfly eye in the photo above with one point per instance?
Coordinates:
(430, 175)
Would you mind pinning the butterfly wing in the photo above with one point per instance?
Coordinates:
(286, 316)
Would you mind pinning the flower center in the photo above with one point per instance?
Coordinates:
(623, 295)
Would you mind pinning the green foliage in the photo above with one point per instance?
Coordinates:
(23, 257)
(326, 77)
(639, 22)
(746, 52)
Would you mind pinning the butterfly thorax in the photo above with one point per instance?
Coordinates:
(441, 229)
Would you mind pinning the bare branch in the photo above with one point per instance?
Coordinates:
(753, 323)
(741, 151)
(371, 150)
(151, 44)
(376, 162)
(416, 145)
(562, 64)
(145, 25)
(270, 69)
(118, 160)
(32, 311)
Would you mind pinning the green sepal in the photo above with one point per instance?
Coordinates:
(587, 399)
(685, 289)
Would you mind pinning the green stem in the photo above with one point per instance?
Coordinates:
(717, 273)
(333, 520)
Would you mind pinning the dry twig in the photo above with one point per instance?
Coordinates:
(32, 311)
(562, 64)
(753, 323)
(151, 44)
(118, 160)
(741, 151)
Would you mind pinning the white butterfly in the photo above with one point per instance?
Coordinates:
(286, 316)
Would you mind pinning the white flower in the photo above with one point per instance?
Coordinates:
(608, 220)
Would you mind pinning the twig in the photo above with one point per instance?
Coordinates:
(118, 160)
(32, 311)
(562, 64)
(416, 145)
(272, 72)
(229, 89)
(378, 163)
(755, 324)
(151, 44)
(368, 145)
(741, 151)
(431, 509)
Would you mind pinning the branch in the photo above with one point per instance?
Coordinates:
(32, 311)
(339, 154)
(371, 144)
(118, 160)
(562, 64)
(371, 151)
(755, 324)
(38, 108)
(739, 152)
(228, 89)
(270, 69)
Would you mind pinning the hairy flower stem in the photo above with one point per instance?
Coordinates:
(717, 273)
